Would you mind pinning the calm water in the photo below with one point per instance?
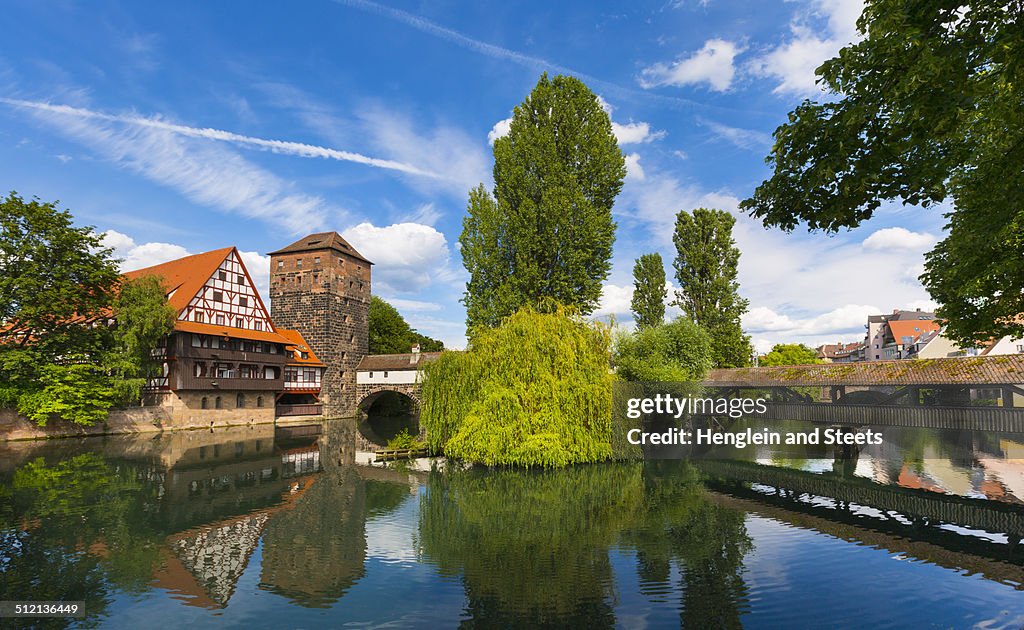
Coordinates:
(246, 527)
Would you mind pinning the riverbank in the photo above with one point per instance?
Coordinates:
(14, 427)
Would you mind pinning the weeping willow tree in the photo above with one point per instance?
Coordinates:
(535, 391)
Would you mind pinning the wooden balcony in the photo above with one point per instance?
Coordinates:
(188, 381)
(298, 410)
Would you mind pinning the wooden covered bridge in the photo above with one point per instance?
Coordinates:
(984, 393)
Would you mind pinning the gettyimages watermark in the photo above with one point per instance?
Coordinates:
(665, 420)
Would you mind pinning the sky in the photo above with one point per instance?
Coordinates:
(177, 128)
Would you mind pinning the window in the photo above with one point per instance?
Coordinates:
(385, 374)
(218, 296)
(222, 275)
(257, 325)
(298, 263)
(371, 374)
(280, 264)
(240, 401)
(304, 355)
(199, 317)
(259, 403)
(316, 261)
(204, 403)
(200, 368)
(196, 342)
(240, 279)
(243, 302)
(217, 404)
(239, 322)
(220, 320)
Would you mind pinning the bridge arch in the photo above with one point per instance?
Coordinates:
(367, 396)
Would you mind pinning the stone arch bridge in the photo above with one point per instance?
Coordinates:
(379, 374)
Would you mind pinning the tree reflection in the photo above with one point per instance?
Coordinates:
(74, 527)
(533, 548)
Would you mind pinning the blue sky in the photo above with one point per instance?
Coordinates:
(183, 127)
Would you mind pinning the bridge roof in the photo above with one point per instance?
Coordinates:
(997, 370)
(395, 362)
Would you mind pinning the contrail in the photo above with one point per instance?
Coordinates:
(277, 146)
(498, 52)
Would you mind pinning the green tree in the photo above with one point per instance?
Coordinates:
(925, 109)
(535, 391)
(53, 276)
(790, 354)
(673, 352)
(649, 292)
(547, 232)
(143, 317)
(706, 266)
(391, 334)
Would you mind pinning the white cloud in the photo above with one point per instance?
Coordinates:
(258, 267)
(277, 146)
(742, 138)
(898, 238)
(427, 214)
(712, 64)
(634, 133)
(406, 256)
(499, 130)
(803, 288)
(459, 161)
(206, 173)
(617, 300)
(625, 133)
(818, 32)
(633, 168)
(135, 256)
(417, 306)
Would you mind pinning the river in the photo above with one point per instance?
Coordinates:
(278, 529)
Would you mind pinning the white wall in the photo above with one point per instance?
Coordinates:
(394, 377)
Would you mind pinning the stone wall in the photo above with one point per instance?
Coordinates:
(327, 299)
(172, 413)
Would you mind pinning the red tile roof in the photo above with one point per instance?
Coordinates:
(912, 328)
(297, 342)
(185, 276)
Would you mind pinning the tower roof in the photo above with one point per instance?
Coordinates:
(321, 241)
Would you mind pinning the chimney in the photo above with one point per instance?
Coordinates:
(414, 358)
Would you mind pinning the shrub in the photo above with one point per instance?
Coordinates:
(673, 352)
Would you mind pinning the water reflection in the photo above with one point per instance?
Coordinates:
(287, 525)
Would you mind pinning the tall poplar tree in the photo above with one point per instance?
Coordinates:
(649, 292)
(706, 266)
(546, 233)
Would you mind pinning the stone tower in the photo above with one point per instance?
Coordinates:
(320, 286)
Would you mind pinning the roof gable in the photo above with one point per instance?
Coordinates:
(213, 288)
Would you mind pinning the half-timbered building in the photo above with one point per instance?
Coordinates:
(225, 353)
